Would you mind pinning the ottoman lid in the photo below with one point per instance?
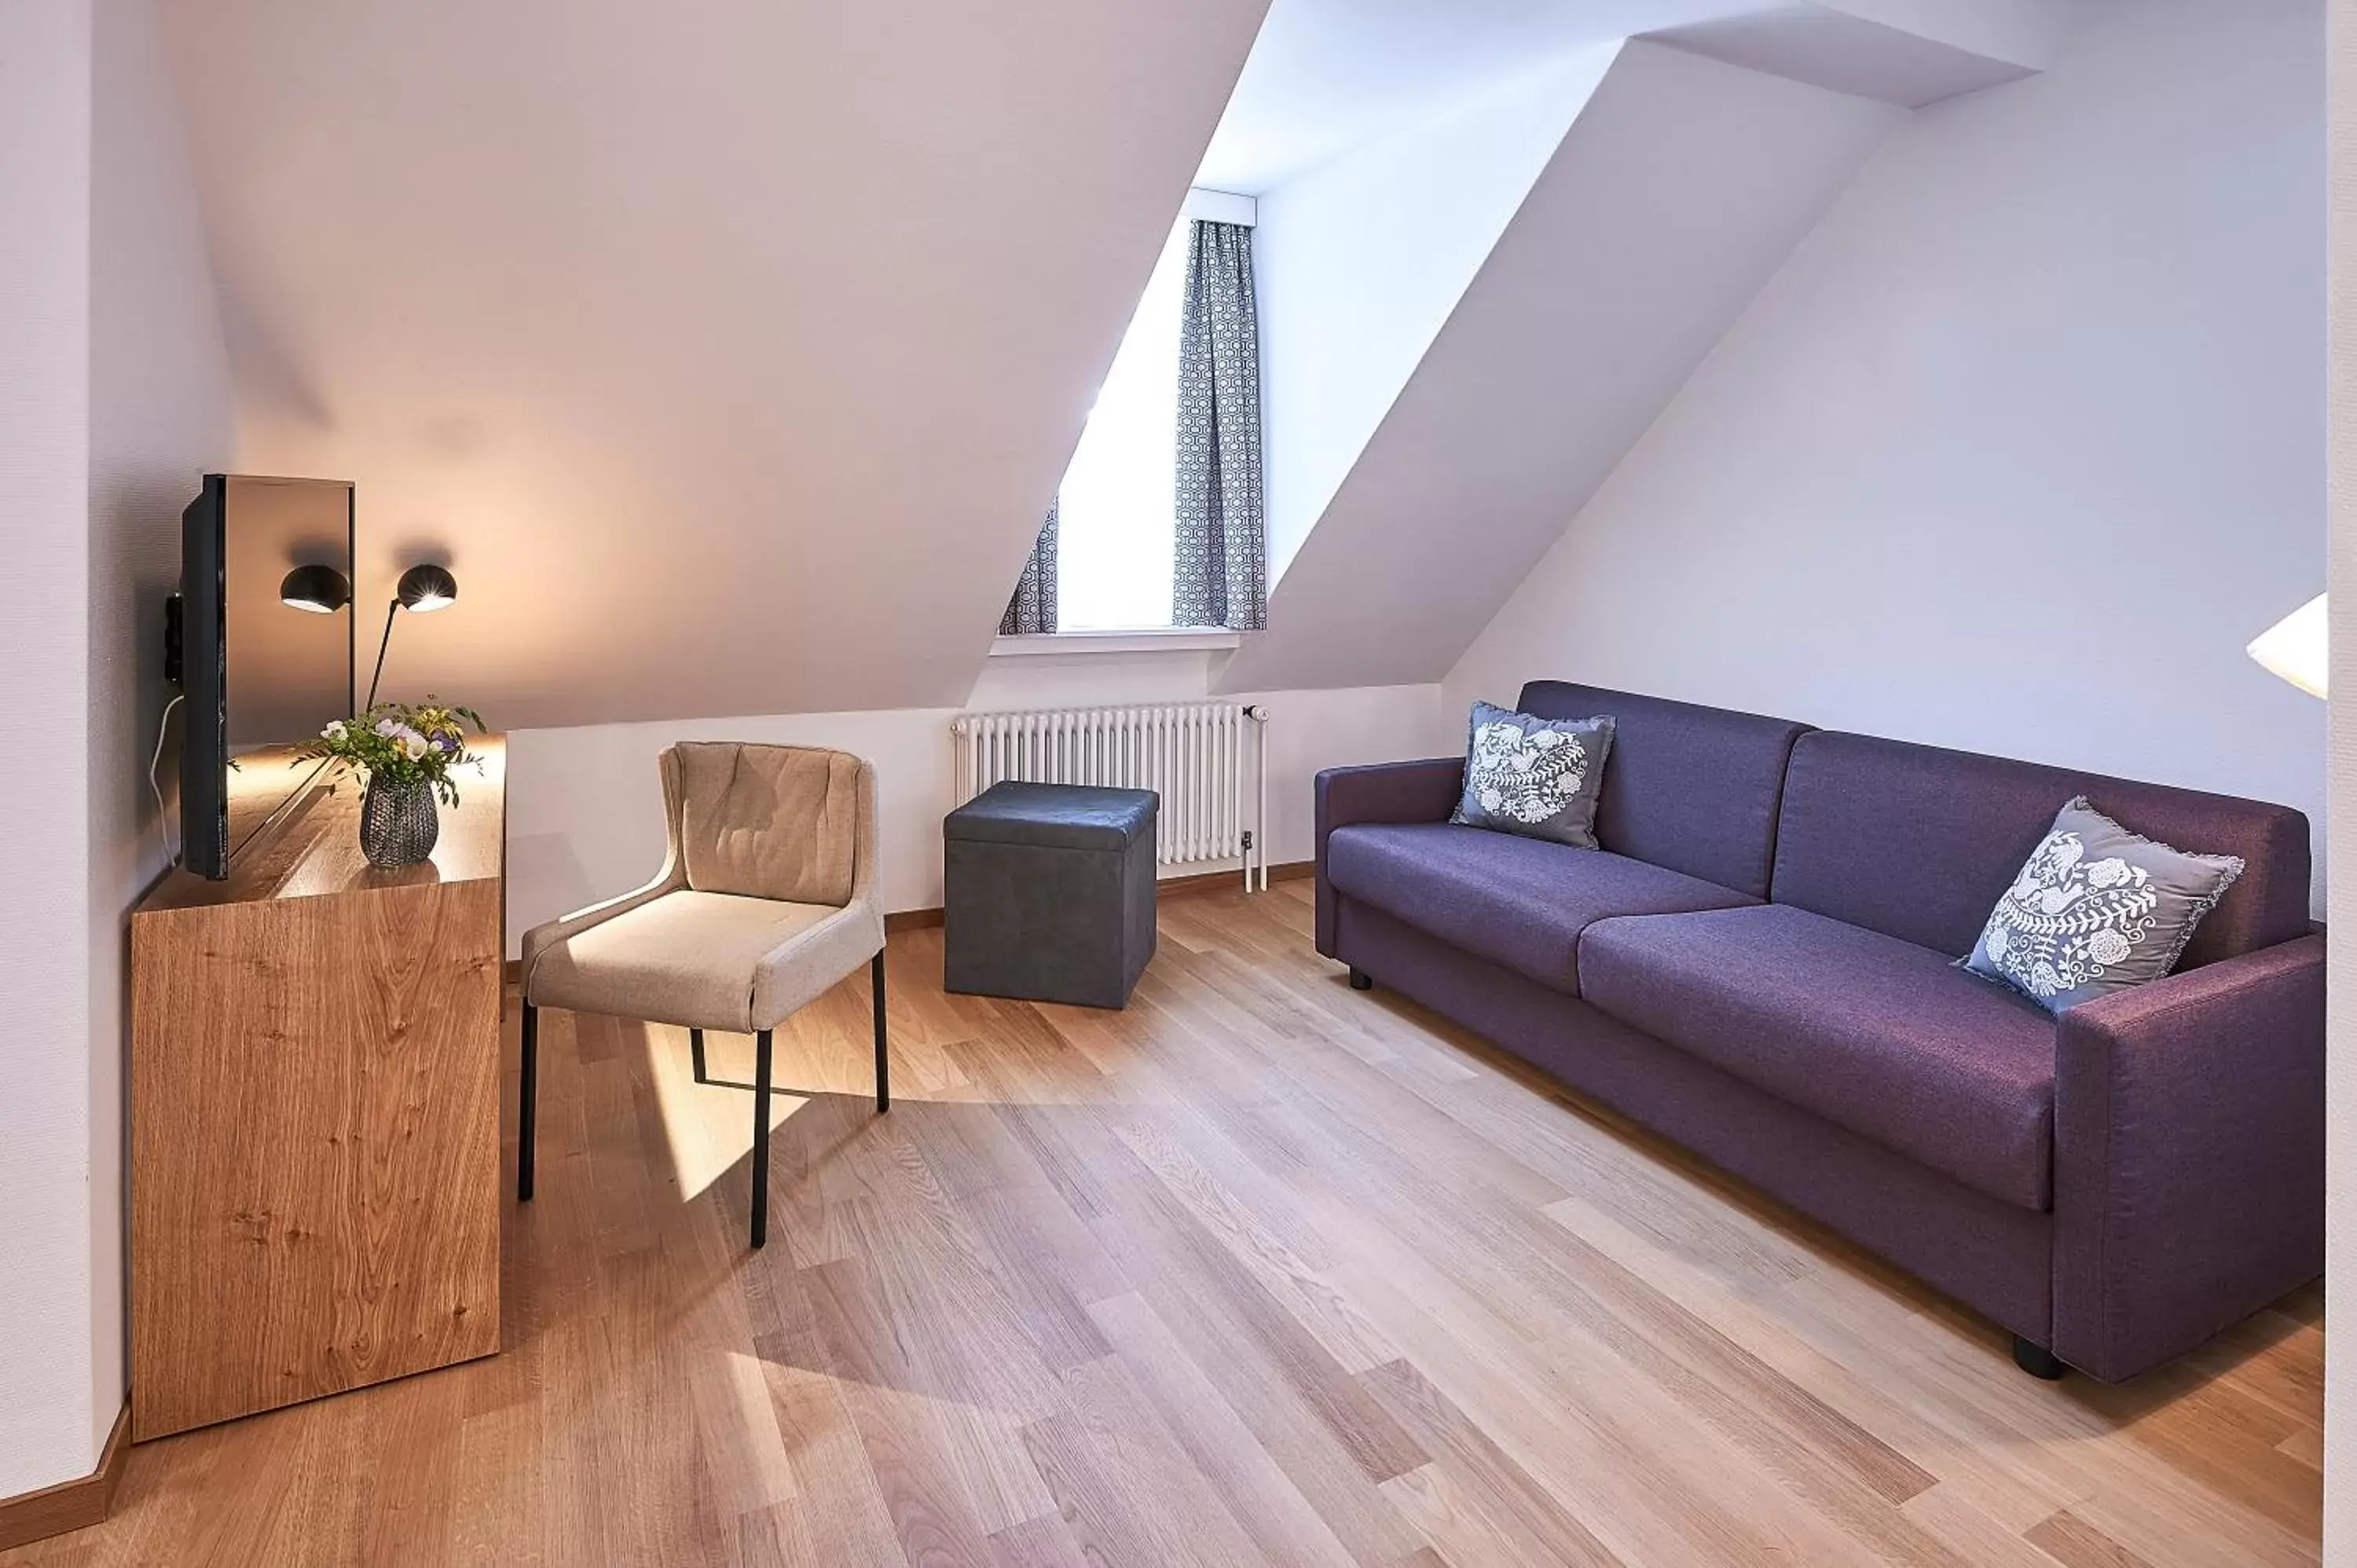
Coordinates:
(1067, 816)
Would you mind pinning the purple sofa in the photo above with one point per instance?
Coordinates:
(1757, 965)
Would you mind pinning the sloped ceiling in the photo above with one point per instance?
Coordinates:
(1908, 52)
(1359, 263)
(1330, 77)
(729, 351)
(1416, 475)
(1681, 186)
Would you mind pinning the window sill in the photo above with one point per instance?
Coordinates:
(1150, 639)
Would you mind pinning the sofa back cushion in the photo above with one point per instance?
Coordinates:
(1687, 787)
(1918, 842)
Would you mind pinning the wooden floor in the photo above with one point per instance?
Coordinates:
(1260, 1269)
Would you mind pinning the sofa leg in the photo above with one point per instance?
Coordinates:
(1360, 980)
(761, 1139)
(696, 1054)
(883, 1063)
(2037, 1359)
(528, 1104)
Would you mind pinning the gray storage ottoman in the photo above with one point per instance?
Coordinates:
(1050, 892)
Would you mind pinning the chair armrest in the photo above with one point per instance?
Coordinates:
(2189, 1155)
(792, 976)
(543, 937)
(670, 879)
(1424, 791)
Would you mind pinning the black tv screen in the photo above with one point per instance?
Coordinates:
(267, 651)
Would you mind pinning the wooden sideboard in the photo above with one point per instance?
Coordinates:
(315, 1110)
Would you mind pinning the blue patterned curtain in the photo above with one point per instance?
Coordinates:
(1033, 608)
(1220, 575)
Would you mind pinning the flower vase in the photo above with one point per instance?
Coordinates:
(399, 821)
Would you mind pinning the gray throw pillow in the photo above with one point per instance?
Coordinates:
(1540, 777)
(2098, 909)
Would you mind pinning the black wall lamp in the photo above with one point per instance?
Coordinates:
(423, 588)
(321, 590)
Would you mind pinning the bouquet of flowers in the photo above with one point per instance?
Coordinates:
(400, 743)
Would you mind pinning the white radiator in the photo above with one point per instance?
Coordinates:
(1206, 760)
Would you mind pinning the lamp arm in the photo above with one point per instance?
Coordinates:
(390, 609)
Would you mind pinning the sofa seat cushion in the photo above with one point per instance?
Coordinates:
(1880, 1035)
(1519, 902)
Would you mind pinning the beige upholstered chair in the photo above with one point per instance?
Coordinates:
(766, 900)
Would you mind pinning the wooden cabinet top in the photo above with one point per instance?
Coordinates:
(314, 849)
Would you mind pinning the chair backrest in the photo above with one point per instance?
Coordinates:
(765, 821)
(1918, 842)
(1687, 787)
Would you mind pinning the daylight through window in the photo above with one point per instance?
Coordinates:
(1116, 505)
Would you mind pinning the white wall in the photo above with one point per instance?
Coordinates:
(585, 811)
(45, 1171)
(2019, 448)
(2341, 998)
(112, 400)
(1359, 262)
(160, 416)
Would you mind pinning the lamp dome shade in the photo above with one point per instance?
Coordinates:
(322, 590)
(2297, 648)
(427, 588)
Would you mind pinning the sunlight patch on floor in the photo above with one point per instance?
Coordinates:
(766, 1473)
(708, 1126)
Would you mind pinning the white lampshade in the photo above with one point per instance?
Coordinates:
(2295, 648)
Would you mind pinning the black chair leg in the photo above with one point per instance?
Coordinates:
(696, 1054)
(883, 1063)
(2036, 1359)
(527, 1106)
(1360, 980)
(761, 1138)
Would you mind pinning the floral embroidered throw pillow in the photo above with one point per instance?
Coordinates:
(2098, 909)
(1540, 777)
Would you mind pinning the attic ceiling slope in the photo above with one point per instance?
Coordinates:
(729, 352)
(1328, 77)
(1680, 188)
(1908, 52)
(1361, 261)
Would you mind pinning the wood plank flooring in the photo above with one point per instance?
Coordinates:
(1260, 1269)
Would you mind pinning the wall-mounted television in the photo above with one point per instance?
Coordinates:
(266, 650)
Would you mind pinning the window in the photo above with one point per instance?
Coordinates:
(1161, 515)
(1116, 505)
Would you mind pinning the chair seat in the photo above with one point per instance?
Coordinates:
(706, 961)
(1520, 902)
(1886, 1038)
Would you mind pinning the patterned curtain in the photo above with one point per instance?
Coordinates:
(1033, 607)
(1221, 569)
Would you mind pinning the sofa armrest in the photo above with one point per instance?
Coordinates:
(1424, 791)
(2189, 1155)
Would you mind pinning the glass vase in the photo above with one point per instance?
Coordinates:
(399, 821)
